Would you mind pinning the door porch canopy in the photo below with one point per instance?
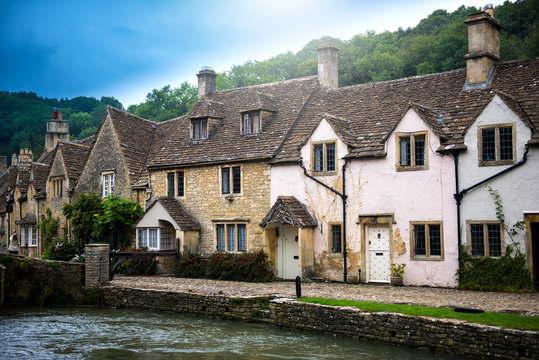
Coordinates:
(288, 210)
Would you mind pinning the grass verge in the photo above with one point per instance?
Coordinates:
(512, 321)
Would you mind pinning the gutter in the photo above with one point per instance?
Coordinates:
(343, 196)
(460, 194)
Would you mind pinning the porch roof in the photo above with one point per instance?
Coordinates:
(288, 210)
(176, 211)
(29, 219)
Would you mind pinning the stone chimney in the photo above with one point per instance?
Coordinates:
(206, 81)
(57, 129)
(483, 47)
(14, 159)
(26, 157)
(3, 163)
(328, 65)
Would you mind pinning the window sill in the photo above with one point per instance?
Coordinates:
(412, 168)
(496, 163)
(324, 173)
(431, 258)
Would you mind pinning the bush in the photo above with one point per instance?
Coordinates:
(484, 273)
(62, 250)
(250, 267)
(144, 265)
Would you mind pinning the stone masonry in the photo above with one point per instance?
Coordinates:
(97, 264)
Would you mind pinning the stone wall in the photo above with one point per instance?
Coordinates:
(30, 281)
(97, 264)
(205, 203)
(216, 306)
(443, 335)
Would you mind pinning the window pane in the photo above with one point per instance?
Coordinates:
(494, 240)
(330, 157)
(336, 239)
(221, 237)
(506, 143)
(153, 239)
(405, 150)
(170, 177)
(419, 150)
(478, 245)
(225, 180)
(420, 245)
(231, 237)
(166, 237)
(435, 240)
(111, 183)
(34, 235)
(255, 119)
(319, 157)
(105, 185)
(236, 179)
(143, 238)
(489, 150)
(203, 129)
(242, 237)
(246, 124)
(180, 182)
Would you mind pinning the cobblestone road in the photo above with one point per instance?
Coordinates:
(488, 301)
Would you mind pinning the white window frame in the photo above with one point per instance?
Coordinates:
(160, 232)
(28, 235)
(107, 183)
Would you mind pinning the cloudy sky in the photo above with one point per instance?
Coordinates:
(126, 48)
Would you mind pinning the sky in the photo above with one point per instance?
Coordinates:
(126, 48)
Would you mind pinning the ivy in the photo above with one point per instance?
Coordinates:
(49, 228)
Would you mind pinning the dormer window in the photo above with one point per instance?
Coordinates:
(250, 123)
(412, 151)
(495, 145)
(199, 129)
(323, 159)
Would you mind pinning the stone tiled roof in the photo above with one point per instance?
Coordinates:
(74, 156)
(173, 146)
(40, 172)
(288, 210)
(369, 112)
(86, 141)
(29, 219)
(23, 178)
(4, 184)
(177, 212)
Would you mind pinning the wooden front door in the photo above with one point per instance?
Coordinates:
(288, 252)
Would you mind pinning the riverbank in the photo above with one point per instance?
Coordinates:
(524, 304)
(440, 335)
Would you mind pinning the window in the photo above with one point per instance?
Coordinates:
(250, 123)
(324, 157)
(161, 238)
(108, 184)
(175, 184)
(411, 151)
(58, 187)
(199, 129)
(426, 240)
(231, 237)
(485, 238)
(28, 235)
(336, 238)
(231, 180)
(495, 145)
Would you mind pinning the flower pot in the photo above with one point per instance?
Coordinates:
(396, 280)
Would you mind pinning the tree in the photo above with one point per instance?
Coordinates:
(84, 215)
(115, 224)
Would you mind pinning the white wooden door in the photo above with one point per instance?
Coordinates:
(288, 252)
(378, 254)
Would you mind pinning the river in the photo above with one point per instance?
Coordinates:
(91, 333)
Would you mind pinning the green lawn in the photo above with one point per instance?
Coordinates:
(488, 318)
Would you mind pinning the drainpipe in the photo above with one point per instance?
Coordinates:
(343, 197)
(458, 197)
(460, 194)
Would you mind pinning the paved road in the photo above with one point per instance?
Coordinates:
(488, 301)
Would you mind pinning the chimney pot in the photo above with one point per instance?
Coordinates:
(206, 81)
(328, 65)
(489, 9)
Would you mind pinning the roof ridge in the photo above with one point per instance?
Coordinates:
(280, 82)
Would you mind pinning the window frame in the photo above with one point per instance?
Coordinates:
(25, 239)
(486, 248)
(427, 256)
(324, 145)
(106, 178)
(497, 160)
(160, 232)
(176, 183)
(202, 125)
(331, 248)
(232, 180)
(226, 232)
(57, 187)
(253, 130)
(412, 136)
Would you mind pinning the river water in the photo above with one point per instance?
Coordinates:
(90, 333)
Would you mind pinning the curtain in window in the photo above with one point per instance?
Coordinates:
(319, 157)
(153, 239)
(231, 237)
(225, 180)
(246, 124)
(242, 237)
(404, 150)
(142, 238)
(33, 239)
(256, 123)
(221, 237)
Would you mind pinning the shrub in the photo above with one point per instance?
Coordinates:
(506, 273)
(144, 265)
(62, 250)
(250, 267)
